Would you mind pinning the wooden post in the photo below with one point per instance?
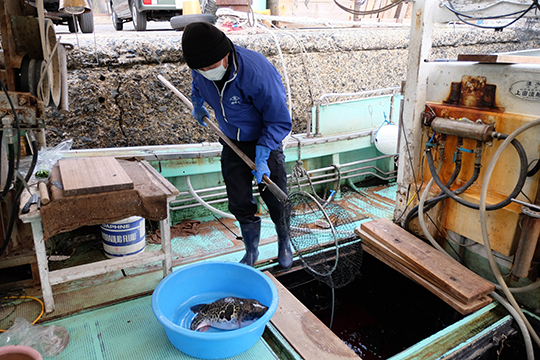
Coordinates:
(414, 101)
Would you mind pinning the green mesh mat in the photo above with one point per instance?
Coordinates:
(129, 331)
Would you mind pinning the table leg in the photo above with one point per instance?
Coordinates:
(165, 228)
(43, 265)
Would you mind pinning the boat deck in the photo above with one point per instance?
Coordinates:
(109, 316)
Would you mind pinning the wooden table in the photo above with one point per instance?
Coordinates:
(49, 278)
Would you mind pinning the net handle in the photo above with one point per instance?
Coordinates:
(278, 193)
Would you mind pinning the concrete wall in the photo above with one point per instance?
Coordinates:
(116, 99)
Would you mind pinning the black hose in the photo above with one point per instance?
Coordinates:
(11, 171)
(522, 177)
(442, 196)
(34, 160)
(12, 217)
(535, 169)
(17, 124)
(429, 204)
(14, 212)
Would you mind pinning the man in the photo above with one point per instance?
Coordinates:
(249, 101)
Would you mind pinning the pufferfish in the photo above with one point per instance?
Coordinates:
(227, 313)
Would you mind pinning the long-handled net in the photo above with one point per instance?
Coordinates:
(314, 225)
(322, 234)
(315, 233)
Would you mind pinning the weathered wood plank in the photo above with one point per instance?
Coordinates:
(500, 59)
(428, 262)
(387, 256)
(304, 331)
(105, 266)
(82, 176)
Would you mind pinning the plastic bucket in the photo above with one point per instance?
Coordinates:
(124, 237)
(19, 352)
(203, 283)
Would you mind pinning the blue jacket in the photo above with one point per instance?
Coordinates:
(252, 104)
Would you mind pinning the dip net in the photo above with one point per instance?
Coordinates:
(322, 235)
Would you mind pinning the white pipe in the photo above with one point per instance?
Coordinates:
(483, 223)
(517, 314)
(213, 209)
(519, 321)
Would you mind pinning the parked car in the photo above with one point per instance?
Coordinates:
(83, 21)
(142, 11)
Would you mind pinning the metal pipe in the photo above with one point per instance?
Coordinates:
(302, 185)
(63, 108)
(464, 129)
(526, 247)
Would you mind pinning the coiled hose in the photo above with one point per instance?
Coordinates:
(517, 189)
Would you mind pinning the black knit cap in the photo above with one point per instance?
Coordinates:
(203, 44)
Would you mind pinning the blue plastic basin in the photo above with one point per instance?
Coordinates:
(203, 283)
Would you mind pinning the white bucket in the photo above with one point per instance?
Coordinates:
(124, 237)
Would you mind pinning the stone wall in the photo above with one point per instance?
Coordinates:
(116, 99)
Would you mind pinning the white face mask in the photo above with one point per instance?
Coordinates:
(214, 74)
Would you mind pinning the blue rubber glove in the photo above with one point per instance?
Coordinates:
(261, 157)
(199, 111)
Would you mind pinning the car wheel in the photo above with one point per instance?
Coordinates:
(139, 18)
(86, 22)
(181, 21)
(72, 25)
(117, 23)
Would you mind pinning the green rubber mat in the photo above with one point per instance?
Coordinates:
(129, 331)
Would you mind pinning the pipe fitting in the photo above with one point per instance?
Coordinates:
(468, 130)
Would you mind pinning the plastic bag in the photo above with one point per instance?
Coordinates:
(48, 340)
(47, 157)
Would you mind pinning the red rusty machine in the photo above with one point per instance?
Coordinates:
(471, 107)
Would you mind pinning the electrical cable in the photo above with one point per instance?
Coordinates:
(452, 9)
(497, 28)
(483, 223)
(503, 203)
(32, 298)
(370, 12)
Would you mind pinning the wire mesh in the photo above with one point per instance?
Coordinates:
(314, 234)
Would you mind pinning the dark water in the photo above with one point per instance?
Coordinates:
(379, 314)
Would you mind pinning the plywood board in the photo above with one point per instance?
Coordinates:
(428, 262)
(304, 331)
(393, 260)
(82, 176)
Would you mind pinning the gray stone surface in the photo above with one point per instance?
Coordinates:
(116, 99)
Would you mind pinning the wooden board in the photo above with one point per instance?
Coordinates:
(500, 59)
(387, 256)
(428, 262)
(92, 175)
(304, 331)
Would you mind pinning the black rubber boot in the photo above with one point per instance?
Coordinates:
(251, 233)
(285, 254)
